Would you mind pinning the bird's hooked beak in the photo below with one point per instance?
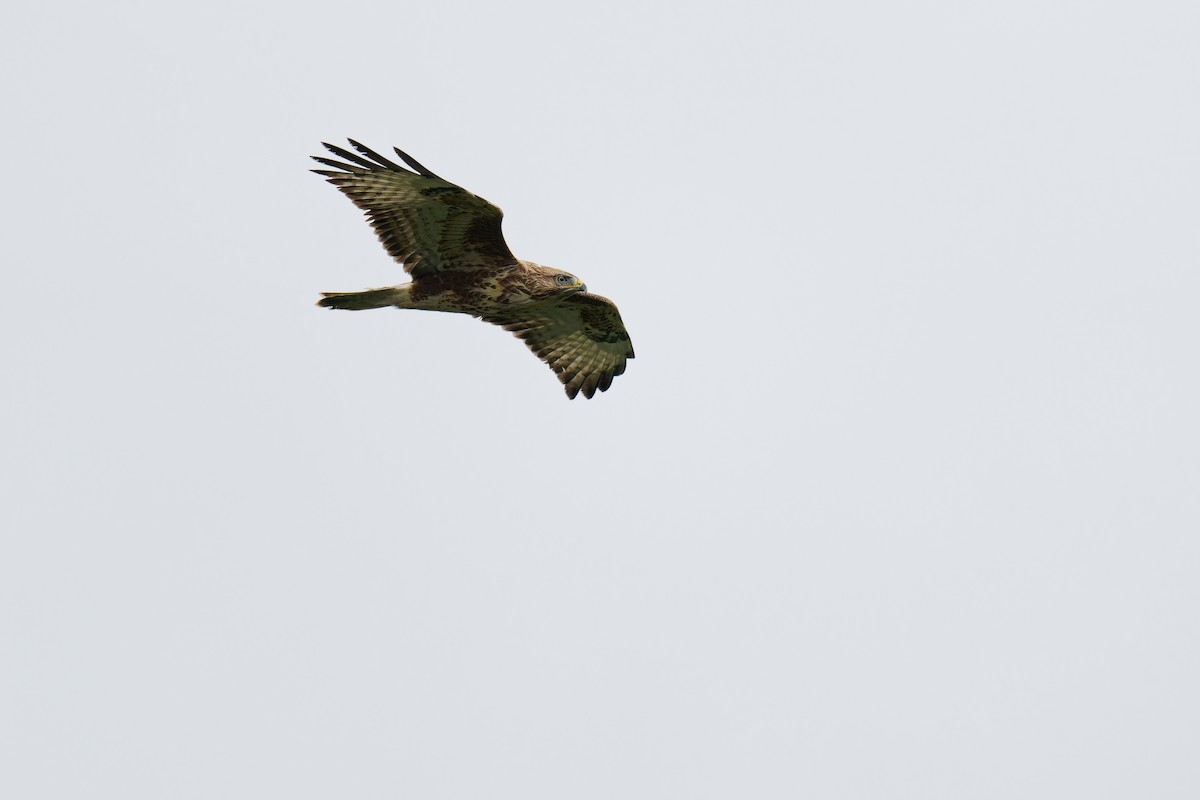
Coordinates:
(580, 285)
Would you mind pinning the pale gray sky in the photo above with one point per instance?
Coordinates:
(898, 500)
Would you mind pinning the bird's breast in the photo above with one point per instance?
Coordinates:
(470, 292)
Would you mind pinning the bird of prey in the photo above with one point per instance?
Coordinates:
(449, 241)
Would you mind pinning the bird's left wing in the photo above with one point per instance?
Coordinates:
(426, 223)
(581, 337)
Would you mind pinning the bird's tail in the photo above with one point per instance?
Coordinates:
(359, 301)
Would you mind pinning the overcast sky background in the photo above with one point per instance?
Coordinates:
(898, 500)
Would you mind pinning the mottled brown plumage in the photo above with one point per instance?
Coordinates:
(449, 241)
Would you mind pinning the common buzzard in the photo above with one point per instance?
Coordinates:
(449, 241)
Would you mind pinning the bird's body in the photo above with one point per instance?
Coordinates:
(449, 240)
(479, 292)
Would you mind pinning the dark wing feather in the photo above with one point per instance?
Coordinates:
(426, 223)
(581, 337)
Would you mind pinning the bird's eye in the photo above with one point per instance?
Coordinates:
(563, 280)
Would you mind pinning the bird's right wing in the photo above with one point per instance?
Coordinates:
(426, 223)
(581, 337)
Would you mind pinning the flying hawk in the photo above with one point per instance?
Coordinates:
(449, 241)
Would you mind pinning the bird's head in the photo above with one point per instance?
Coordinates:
(557, 282)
